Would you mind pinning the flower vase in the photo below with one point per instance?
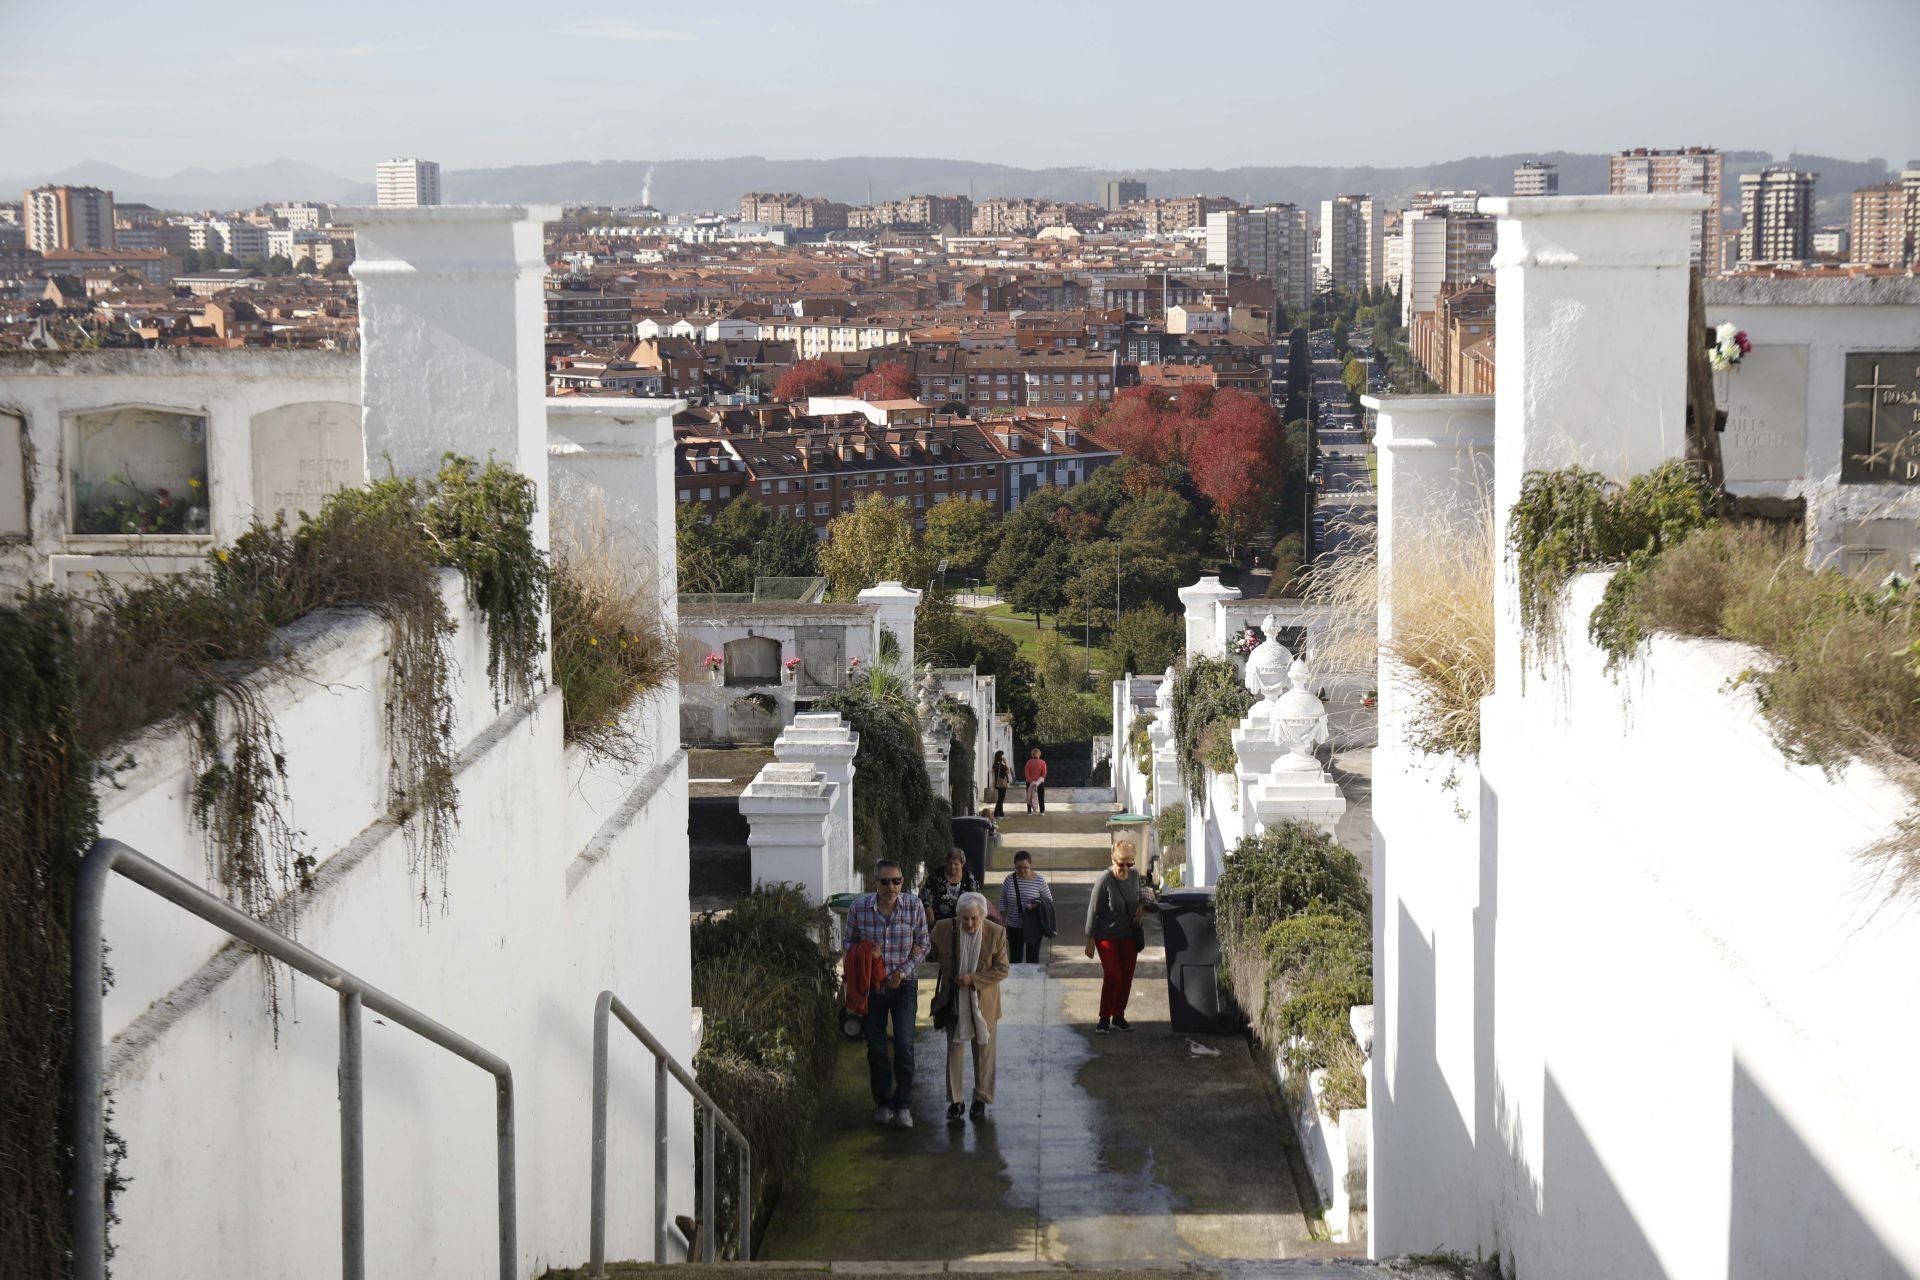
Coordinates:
(713, 675)
(786, 676)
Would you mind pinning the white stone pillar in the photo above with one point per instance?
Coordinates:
(1199, 600)
(823, 741)
(452, 337)
(1592, 349)
(898, 606)
(611, 464)
(1436, 481)
(788, 808)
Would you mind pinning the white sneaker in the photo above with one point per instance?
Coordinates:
(883, 1115)
(903, 1119)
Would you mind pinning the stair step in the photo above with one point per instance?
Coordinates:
(1320, 1268)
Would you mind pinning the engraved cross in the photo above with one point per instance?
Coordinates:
(1873, 390)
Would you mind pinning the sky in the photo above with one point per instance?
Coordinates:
(1116, 84)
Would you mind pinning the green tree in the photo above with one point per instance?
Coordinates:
(279, 264)
(1054, 663)
(1030, 564)
(1067, 717)
(1293, 487)
(1147, 641)
(964, 532)
(1339, 337)
(788, 549)
(948, 638)
(1288, 555)
(875, 542)
(1355, 377)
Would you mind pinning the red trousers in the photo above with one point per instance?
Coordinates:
(1116, 975)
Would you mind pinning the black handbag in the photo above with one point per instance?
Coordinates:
(946, 1001)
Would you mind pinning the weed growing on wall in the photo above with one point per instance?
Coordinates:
(895, 813)
(480, 518)
(611, 647)
(962, 789)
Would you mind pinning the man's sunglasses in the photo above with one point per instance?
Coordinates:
(889, 880)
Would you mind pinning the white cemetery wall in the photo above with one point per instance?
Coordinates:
(1788, 421)
(1678, 1004)
(51, 393)
(567, 877)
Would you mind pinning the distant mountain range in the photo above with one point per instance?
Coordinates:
(687, 185)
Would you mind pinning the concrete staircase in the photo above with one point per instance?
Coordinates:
(1431, 1268)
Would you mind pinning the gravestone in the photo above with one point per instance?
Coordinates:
(1880, 422)
(1766, 403)
(302, 453)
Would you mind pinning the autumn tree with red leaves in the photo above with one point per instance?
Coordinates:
(1237, 456)
(889, 381)
(806, 379)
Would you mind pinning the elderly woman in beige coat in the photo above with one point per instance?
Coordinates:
(971, 951)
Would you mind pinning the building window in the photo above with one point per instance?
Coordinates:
(820, 483)
(766, 486)
(989, 470)
(706, 495)
(686, 495)
(726, 491)
(919, 499)
(939, 473)
(899, 477)
(859, 482)
(782, 486)
(819, 508)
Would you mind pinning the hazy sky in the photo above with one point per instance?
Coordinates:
(156, 87)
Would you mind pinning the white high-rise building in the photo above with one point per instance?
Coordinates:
(1776, 215)
(1423, 265)
(1536, 178)
(1648, 171)
(68, 218)
(406, 183)
(1275, 241)
(1351, 255)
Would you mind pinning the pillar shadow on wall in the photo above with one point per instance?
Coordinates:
(1787, 1212)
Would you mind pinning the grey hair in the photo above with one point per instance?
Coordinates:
(973, 902)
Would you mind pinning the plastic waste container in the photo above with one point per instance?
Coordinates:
(1193, 960)
(1138, 828)
(973, 836)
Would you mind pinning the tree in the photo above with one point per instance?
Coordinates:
(788, 549)
(1339, 337)
(190, 262)
(948, 638)
(806, 379)
(1237, 462)
(875, 542)
(1355, 377)
(338, 267)
(279, 264)
(1140, 424)
(1039, 586)
(890, 380)
(1053, 661)
(1147, 641)
(1027, 538)
(1293, 486)
(1288, 555)
(964, 532)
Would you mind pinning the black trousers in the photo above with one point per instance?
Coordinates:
(999, 802)
(1023, 945)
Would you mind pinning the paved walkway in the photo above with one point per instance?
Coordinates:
(1130, 1147)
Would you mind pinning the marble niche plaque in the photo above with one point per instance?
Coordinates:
(1766, 402)
(1880, 423)
(302, 453)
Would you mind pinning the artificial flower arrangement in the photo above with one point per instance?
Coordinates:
(1246, 642)
(1728, 346)
(853, 666)
(713, 661)
(792, 664)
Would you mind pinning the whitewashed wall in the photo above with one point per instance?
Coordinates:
(567, 877)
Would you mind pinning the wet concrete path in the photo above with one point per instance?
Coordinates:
(1144, 1145)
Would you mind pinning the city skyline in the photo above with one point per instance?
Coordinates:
(614, 82)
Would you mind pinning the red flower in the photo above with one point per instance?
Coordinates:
(1740, 340)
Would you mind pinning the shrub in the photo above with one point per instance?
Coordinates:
(1291, 869)
(963, 791)
(1442, 610)
(1068, 717)
(895, 813)
(767, 991)
(1208, 701)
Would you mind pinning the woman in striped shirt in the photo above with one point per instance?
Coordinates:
(1027, 904)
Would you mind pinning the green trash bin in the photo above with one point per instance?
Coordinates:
(1137, 827)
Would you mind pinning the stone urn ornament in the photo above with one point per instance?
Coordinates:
(1267, 666)
(1299, 723)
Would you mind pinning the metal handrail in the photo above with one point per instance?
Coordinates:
(664, 1065)
(89, 1190)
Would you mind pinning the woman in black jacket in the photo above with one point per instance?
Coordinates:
(941, 893)
(1120, 901)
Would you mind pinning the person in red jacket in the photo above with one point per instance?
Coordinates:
(1036, 783)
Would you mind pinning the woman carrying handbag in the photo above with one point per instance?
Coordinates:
(1115, 910)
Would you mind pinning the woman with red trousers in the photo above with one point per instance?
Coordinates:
(1114, 932)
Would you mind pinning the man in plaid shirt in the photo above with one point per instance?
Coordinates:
(896, 923)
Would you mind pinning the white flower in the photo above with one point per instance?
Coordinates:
(1719, 359)
(1725, 334)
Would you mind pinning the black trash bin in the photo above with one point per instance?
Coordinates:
(973, 836)
(1193, 960)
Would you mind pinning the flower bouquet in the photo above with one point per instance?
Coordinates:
(1729, 345)
(1246, 642)
(791, 667)
(713, 663)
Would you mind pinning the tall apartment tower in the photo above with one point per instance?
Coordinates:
(405, 184)
(1442, 247)
(1275, 241)
(1878, 226)
(1351, 255)
(68, 218)
(1118, 193)
(1536, 178)
(1644, 171)
(1776, 215)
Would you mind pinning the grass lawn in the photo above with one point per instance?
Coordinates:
(1002, 618)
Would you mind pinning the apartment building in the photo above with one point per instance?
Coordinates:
(1352, 256)
(1776, 215)
(1274, 241)
(68, 218)
(1063, 380)
(406, 183)
(792, 209)
(594, 316)
(1170, 215)
(1646, 171)
(1454, 341)
(1536, 178)
(1878, 225)
(1118, 193)
(914, 211)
